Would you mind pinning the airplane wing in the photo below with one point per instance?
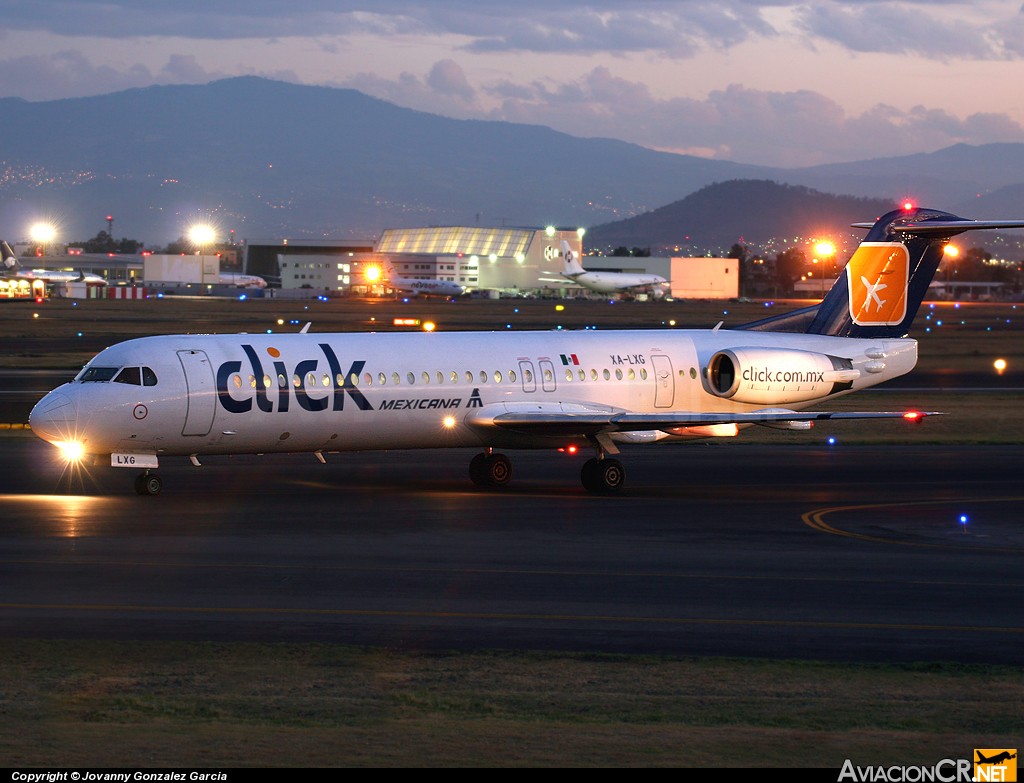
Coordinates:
(582, 420)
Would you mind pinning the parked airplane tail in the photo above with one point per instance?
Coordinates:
(571, 266)
(880, 290)
(10, 260)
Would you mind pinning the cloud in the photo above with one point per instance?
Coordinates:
(674, 28)
(904, 28)
(447, 78)
(791, 128)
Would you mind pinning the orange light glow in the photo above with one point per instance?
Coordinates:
(914, 416)
(372, 274)
(1000, 366)
(429, 326)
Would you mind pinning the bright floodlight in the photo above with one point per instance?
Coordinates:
(372, 274)
(825, 249)
(42, 232)
(201, 235)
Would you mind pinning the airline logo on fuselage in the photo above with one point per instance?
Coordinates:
(878, 275)
(335, 395)
(331, 393)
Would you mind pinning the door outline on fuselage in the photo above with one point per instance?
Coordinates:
(547, 375)
(527, 376)
(664, 383)
(200, 392)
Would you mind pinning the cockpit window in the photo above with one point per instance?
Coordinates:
(130, 375)
(148, 377)
(97, 374)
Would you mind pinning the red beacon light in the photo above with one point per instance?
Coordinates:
(913, 416)
(908, 205)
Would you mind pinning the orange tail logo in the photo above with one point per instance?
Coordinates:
(878, 274)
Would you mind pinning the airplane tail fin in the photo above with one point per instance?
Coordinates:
(10, 260)
(570, 263)
(880, 290)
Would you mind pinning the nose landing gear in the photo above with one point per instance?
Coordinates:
(148, 484)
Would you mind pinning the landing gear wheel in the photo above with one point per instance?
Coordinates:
(148, 484)
(602, 476)
(476, 470)
(490, 470)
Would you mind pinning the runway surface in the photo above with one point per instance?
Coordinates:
(854, 553)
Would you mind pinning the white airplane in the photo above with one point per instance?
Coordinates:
(411, 285)
(14, 271)
(242, 281)
(610, 282)
(160, 397)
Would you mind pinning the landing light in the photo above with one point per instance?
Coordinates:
(448, 422)
(71, 450)
(1000, 366)
(429, 326)
(914, 416)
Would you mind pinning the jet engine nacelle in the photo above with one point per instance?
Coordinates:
(763, 376)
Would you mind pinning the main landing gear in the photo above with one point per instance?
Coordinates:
(490, 470)
(600, 475)
(148, 483)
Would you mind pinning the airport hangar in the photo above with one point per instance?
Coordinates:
(507, 261)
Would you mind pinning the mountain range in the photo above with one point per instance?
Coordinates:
(269, 159)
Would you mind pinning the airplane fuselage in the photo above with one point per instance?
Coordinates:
(616, 282)
(231, 394)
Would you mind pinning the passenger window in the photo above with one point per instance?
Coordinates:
(411, 378)
(440, 376)
(130, 375)
(497, 376)
(237, 380)
(454, 376)
(643, 374)
(426, 377)
(593, 375)
(367, 379)
(568, 375)
(469, 377)
(396, 378)
(607, 375)
(296, 381)
(381, 378)
(618, 374)
(512, 376)
(149, 377)
(483, 376)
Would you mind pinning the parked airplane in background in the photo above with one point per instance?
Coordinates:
(242, 281)
(14, 271)
(610, 282)
(411, 285)
(189, 395)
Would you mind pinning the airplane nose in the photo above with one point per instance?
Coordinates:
(53, 417)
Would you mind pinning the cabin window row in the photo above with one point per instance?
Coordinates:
(438, 377)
